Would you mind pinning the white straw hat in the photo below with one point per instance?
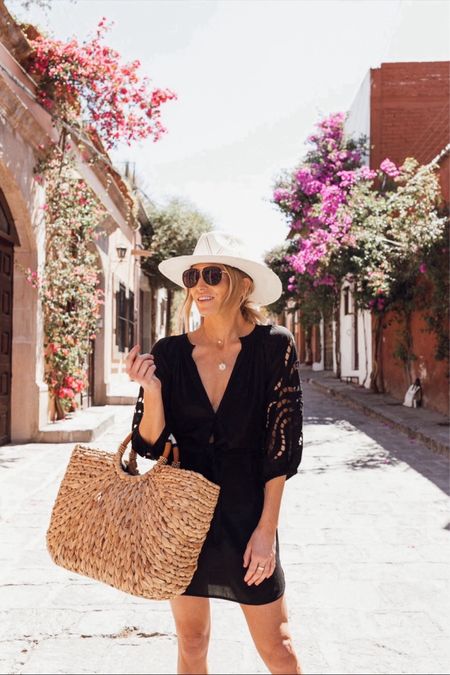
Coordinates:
(225, 248)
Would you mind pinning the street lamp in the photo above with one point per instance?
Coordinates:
(121, 252)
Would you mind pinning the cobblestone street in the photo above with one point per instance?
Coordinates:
(365, 544)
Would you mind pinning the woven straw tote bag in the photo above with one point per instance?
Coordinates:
(139, 533)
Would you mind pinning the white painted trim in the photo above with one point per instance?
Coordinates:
(364, 319)
(320, 365)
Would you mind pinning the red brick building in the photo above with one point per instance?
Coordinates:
(409, 113)
(406, 109)
(403, 109)
(410, 117)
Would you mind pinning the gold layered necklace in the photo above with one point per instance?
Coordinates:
(222, 364)
(220, 344)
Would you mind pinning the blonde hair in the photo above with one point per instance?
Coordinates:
(235, 296)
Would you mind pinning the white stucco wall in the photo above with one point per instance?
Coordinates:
(319, 365)
(358, 119)
(348, 344)
(357, 124)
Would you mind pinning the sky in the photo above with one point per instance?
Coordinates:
(252, 78)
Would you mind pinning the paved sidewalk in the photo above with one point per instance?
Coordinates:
(365, 543)
(428, 426)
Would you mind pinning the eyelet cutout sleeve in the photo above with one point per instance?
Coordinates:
(283, 444)
(142, 447)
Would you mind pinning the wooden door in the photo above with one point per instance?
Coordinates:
(6, 303)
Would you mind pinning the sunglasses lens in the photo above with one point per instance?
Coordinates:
(212, 275)
(190, 277)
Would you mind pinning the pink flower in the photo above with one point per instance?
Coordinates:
(281, 195)
(65, 392)
(366, 174)
(389, 168)
(308, 184)
(422, 268)
(78, 385)
(348, 178)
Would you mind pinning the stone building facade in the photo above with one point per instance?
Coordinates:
(24, 127)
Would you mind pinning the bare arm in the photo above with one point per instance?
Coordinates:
(261, 548)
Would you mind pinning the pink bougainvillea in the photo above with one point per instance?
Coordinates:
(88, 79)
(68, 284)
(348, 219)
(389, 168)
(313, 195)
(85, 86)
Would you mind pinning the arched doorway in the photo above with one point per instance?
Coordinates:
(8, 237)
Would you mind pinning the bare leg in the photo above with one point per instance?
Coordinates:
(193, 625)
(269, 629)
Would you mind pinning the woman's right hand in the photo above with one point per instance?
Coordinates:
(141, 369)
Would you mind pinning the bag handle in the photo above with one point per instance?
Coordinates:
(131, 464)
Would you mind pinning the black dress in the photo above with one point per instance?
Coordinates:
(254, 435)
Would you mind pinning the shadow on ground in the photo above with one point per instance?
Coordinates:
(387, 441)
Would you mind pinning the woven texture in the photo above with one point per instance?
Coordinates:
(142, 533)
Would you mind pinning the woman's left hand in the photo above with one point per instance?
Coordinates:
(261, 550)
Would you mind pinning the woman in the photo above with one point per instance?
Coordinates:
(230, 394)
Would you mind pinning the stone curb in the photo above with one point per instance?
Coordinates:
(85, 426)
(433, 443)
